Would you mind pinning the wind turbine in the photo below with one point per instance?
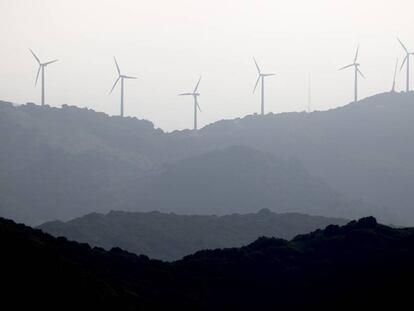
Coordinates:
(406, 61)
(42, 67)
(357, 71)
(195, 94)
(261, 78)
(121, 77)
(395, 77)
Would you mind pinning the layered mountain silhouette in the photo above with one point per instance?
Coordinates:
(61, 163)
(172, 236)
(360, 265)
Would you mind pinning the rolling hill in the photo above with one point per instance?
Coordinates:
(237, 179)
(61, 163)
(172, 236)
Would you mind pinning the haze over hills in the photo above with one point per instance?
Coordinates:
(175, 155)
(63, 163)
(237, 179)
(172, 236)
(362, 150)
(362, 263)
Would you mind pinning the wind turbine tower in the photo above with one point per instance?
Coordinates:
(357, 71)
(261, 78)
(395, 77)
(195, 95)
(41, 70)
(122, 78)
(309, 92)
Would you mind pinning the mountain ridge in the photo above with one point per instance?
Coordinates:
(362, 151)
(172, 236)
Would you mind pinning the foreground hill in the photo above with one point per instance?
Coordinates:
(362, 265)
(66, 162)
(171, 236)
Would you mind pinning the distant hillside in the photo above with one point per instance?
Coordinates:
(363, 150)
(171, 236)
(64, 163)
(238, 179)
(362, 265)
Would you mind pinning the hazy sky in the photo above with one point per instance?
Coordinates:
(168, 44)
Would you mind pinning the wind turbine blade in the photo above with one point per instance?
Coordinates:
(115, 84)
(257, 82)
(346, 67)
(356, 55)
(268, 74)
(117, 66)
(403, 63)
(257, 66)
(38, 72)
(359, 71)
(198, 106)
(51, 62)
(403, 46)
(185, 94)
(34, 55)
(198, 83)
(130, 77)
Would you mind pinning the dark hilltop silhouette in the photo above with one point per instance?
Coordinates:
(353, 161)
(172, 236)
(360, 265)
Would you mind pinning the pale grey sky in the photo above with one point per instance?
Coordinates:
(169, 43)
